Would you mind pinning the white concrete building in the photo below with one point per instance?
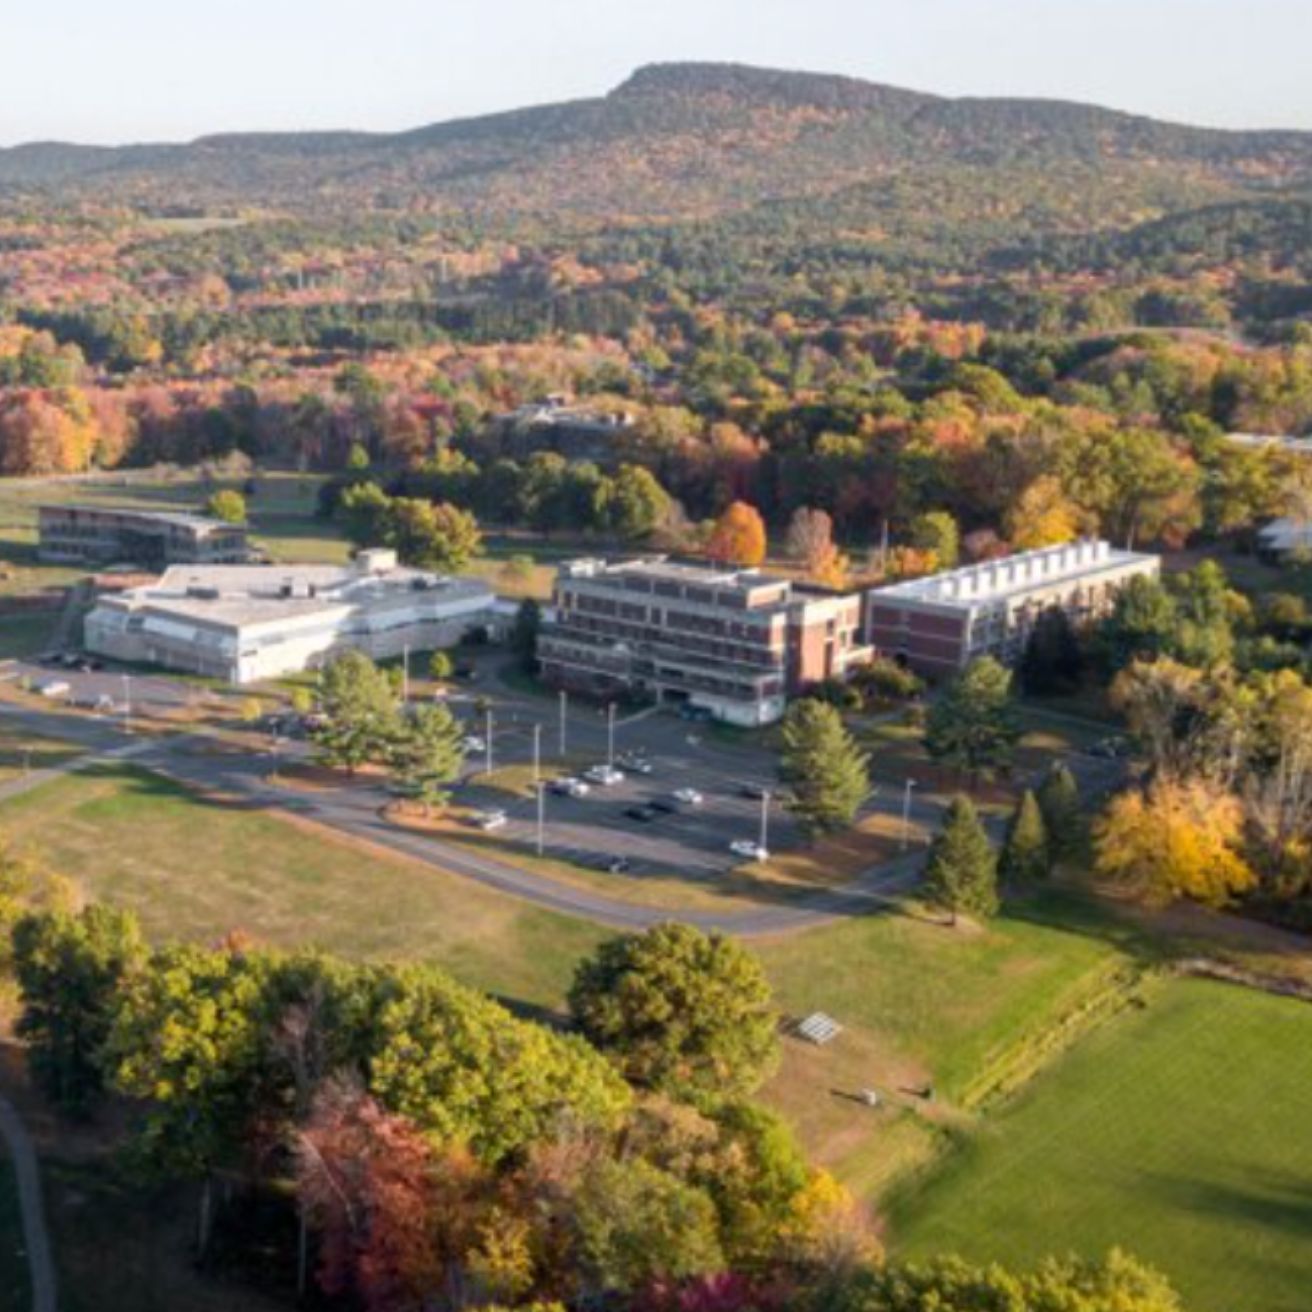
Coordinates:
(1283, 538)
(941, 623)
(244, 623)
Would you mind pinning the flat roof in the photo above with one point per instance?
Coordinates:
(1026, 571)
(675, 571)
(179, 518)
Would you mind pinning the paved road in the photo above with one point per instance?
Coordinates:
(36, 1238)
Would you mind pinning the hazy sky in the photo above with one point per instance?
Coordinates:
(117, 70)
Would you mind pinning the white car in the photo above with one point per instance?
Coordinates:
(638, 764)
(488, 820)
(605, 775)
(53, 688)
(688, 796)
(568, 786)
(748, 850)
(471, 742)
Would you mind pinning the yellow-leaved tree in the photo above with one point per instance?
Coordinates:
(1180, 839)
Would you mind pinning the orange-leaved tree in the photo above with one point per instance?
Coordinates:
(738, 537)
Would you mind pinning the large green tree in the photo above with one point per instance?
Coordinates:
(961, 872)
(825, 772)
(688, 1013)
(972, 725)
(1059, 803)
(70, 967)
(1025, 856)
(432, 535)
(426, 754)
(360, 710)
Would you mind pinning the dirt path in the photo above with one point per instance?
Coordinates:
(36, 1238)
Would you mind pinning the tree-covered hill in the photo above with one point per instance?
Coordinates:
(679, 140)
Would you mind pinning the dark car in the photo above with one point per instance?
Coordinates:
(643, 814)
(613, 865)
(661, 806)
(755, 791)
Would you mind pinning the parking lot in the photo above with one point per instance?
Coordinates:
(693, 840)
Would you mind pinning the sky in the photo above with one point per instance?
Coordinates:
(129, 70)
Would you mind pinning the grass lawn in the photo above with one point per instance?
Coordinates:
(196, 869)
(25, 635)
(15, 1286)
(1180, 1132)
(920, 1002)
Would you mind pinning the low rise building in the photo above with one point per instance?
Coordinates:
(100, 535)
(735, 642)
(937, 625)
(1285, 539)
(249, 622)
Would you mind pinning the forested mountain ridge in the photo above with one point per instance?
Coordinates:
(674, 140)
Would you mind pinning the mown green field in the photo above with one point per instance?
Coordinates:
(1180, 1132)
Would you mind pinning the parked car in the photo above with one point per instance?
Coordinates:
(755, 791)
(488, 820)
(465, 673)
(642, 814)
(688, 796)
(53, 688)
(605, 775)
(472, 742)
(698, 714)
(1110, 749)
(614, 865)
(748, 850)
(568, 786)
(635, 763)
(662, 806)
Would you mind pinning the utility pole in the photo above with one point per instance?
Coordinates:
(906, 813)
(765, 821)
(487, 739)
(537, 754)
(610, 735)
(564, 707)
(542, 807)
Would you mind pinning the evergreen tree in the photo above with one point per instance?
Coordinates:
(961, 874)
(1059, 805)
(359, 704)
(826, 772)
(1024, 856)
(427, 754)
(524, 633)
(1053, 661)
(972, 726)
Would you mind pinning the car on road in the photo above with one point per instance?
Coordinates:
(489, 820)
(635, 763)
(688, 796)
(643, 814)
(568, 786)
(614, 865)
(662, 806)
(755, 791)
(605, 775)
(748, 850)
(471, 742)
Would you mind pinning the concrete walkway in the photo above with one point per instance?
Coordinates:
(36, 1238)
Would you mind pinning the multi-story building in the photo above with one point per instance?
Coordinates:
(939, 624)
(733, 641)
(249, 622)
(99, 535)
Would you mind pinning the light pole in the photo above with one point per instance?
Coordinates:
(542, 807)
(765, 823)
(610, 735)
(906, 813)
(127, 703)
(564, 707)
(487, 739)
(537, 754)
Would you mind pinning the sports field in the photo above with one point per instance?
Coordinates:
(1182, 1132)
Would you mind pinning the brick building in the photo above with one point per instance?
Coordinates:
(939, 624)
(735, 642)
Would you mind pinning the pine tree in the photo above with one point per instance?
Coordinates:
(1053, 661)
(427, 754)
(1059, 803)
(826, 772)
(1024, 856)
(972, 726)
(961, 875)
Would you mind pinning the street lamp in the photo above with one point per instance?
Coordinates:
(906, 813)
(487, 739)
(542, 806)
(127, 703)
(537, 754)
(610, 735)
(564, 707)
(765, 823)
